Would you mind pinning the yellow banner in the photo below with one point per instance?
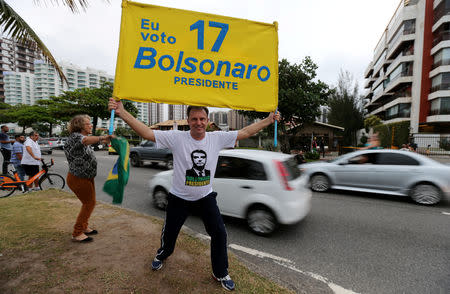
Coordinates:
(184, 57)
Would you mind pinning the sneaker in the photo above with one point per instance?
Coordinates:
(226, 282)
(157, 264)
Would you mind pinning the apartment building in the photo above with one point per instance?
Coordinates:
(27, 88)
(177, 112)
(18, 87)
(15, 57)
(220, 118)
(155, 113)
(237, 121)
(409, 76)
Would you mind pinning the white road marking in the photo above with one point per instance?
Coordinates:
(446, 213)
(259, 253)
(285, 263)
(336, 288)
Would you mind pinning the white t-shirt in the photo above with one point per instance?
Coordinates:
(26, 157)
(194, 162)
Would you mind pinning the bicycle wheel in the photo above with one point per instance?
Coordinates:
(51, 181)
(5, 188)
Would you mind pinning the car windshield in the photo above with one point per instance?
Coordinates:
(291, 166)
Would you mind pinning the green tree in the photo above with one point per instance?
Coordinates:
(371, 122)
(90, 101)
(299, 98)
(30, 116)
(17, 28)
(346, 109)
(4, 112)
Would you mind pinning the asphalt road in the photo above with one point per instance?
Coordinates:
(348, 243)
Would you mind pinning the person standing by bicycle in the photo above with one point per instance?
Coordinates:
(31, 157)
(82, 171)
(6, 147)
(16, 156)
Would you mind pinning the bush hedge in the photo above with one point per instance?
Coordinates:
(394, 134)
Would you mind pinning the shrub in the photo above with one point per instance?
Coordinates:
(363, 139)
(312, 155)
(400, 131)
(445, 144)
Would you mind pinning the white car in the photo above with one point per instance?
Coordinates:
(265, 188)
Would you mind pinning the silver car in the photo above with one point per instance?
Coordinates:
(383, 171)
(46, 145)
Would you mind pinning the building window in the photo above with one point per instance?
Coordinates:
(378, 90)
(406, 28)
(440, 82)
(442, 57)
(442, 9)
(440, 106)
(441, 34)
(399, 110)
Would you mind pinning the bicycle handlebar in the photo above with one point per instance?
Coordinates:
(47, 164)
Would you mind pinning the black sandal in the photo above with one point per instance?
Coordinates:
(93, 232)
(85, 240)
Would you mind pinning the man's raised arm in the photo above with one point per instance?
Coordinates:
(139, 127)
(252, 129)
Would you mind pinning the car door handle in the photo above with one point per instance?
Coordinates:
(246, 187)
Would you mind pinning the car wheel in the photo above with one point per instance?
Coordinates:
(261, 221)
(50, 152)
(135, 160)
(319, 183)
(426, 194)
(169, 163)
(160, 198)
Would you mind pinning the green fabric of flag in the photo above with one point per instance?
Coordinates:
(118, 176)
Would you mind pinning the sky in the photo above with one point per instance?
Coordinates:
(337, 35)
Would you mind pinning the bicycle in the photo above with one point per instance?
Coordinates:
(9, 184)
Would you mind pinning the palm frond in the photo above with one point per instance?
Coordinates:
(72, 4)
(17, 28)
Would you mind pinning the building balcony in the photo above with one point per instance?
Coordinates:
(401, 41)
(441, 36)
(380, 96)
(441, 21)
(367, 73)
(369, 83)
(398, 81)
(440, 87)
(438, 118)
(439, 70)
(439, 93)
(397, 61)
(442, 62)
(396, 119)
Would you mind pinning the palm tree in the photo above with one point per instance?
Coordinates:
(17, 28)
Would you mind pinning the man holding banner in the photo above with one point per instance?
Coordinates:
(189, 191)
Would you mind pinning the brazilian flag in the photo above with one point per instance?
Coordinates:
(118, 176)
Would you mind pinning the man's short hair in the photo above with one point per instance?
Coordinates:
(32, 133)
(3, 126)
(190, 107)
(17, 136)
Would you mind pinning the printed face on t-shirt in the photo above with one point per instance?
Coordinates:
(199, 160)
